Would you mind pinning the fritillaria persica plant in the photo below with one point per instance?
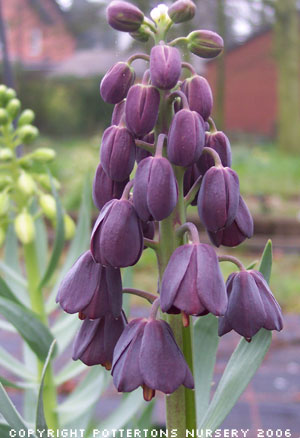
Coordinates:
(163, 122)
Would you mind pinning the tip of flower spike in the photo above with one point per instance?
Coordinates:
(148, 393)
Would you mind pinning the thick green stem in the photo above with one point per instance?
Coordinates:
(37, 305)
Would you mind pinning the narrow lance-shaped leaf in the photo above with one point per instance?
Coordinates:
(265, 266)
(41, 424)
(206, 342)
(6, 292)
(32, 330)
(58, 242)
(9, 412)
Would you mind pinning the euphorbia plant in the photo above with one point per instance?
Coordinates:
(164, 123)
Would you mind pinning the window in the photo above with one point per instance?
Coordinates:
(36, 42)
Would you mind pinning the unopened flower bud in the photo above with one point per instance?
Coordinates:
(48, 206)
(5, 180)
(6, 154)
(205, 43)
(45, 181)
(186, 138)
(24, 227)
(190, 177)
(10, 94)
(28, 133)
(199, 95)
(218, 198)
(3, 116)
(4, 203)
(27, 116)
(141, 109)
(165, 66)
(117, 152)
(43, 155)
(118, 112)
(13, 107)
(116, 83)
(124, 16)
(142, 34)
(182, 10)
(3, 89)
(70, 227)
(105, 189)
(26, 184)
(220, 143)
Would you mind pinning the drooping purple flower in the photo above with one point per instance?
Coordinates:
(220, 143)
(251, 305)
(124, 16)
(205, 43)
(141, 109)
(240, 229)
(95, 341)
(118, 113)
(155, 190)
(117, 236)
(182, 10)
(186, 138)
(147, 355)
(193, 282)
(165, 66)
(105, 189)
(116, 83)
(91, 289)
(218, 198)
(117, 152)
(199, 95)
(190, 177)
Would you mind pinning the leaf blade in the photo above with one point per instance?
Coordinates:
(265, 265)
(9, 412)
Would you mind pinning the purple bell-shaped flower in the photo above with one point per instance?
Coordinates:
(105, 189)
(219, 142)
(147, 355)
(251, 305)
(165, 66)
(91, 289)
(95, 341)
(116, 83)
(117, 236)
(240, 229)
(199, 95)
(218, 198)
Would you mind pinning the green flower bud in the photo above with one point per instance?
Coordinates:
(48, 206)
(3, 89)
(2, 236)
(205, 43)
(10, 94)
(28, 133)
(5, 180)
(3, 116)
(13, 108)
(69, 227)
(44, 181)
(6, 154)
(24, 227)
(27, 116)
(43, 155)
(4, 203)
(26, 184)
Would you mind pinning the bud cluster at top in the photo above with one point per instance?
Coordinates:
(163, 131)
(25, 184)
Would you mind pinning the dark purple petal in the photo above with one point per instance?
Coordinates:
(190, 177)
(140, 189)
(105, 189)
(118, 113)
(124, 16)
(116, 83)
(165, 66)
(79, 285)
(129, 333)
(199, 95)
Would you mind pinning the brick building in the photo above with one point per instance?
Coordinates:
(37, 33)
(250, 86)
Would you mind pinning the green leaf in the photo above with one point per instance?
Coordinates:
(6, 292)
(9, 412)
(71, 369)
(4, 430)
(32, 330)
(40, 416)
(11, 250)
(58, 242)
(79, 244)
(16, 282)
(8, 362)
(16, 385)
(240, 369)
(128, 408)
(206, 342)
(83, 400)
(252, 265)
(265, 266)
(64, 330)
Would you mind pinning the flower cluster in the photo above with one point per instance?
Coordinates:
(25, 184)
(163, 124)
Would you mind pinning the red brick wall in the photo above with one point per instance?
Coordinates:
(21, 20)
(250, 92)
